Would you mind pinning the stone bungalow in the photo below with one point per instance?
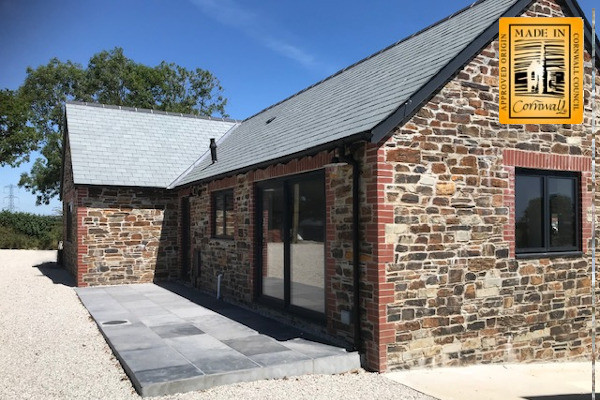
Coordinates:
(385, 205)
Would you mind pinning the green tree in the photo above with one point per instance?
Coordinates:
(17, 139)
(31, 116)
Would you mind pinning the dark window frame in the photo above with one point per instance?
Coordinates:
(284, 304)
(547, 250)
(225, 196)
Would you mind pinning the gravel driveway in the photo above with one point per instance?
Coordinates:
(51, 349)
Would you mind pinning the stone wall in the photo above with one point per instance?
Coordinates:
(235, 259)
(126, 235)
(69, 252)
(440, 284)
(339, 254)
(460, 295)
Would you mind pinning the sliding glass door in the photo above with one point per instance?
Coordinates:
(292, 243)
(307, 245)
(273, 273)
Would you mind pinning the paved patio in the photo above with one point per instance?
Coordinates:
(174, 339)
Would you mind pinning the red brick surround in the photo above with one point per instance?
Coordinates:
(525, 159)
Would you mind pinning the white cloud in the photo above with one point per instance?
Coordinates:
(232, 14)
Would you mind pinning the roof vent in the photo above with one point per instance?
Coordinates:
(270, 120)
(213, 150)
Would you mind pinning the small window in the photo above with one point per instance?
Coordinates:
(69, 222)
(546, 212)
(223, 218)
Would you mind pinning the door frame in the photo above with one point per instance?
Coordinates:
(285, 304)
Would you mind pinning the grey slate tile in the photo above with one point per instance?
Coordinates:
(352, 101)
(257, 344)
(171, 331)
(107, 141)
(168, 374)
(220, 361)
(153, 358)
(135, 338)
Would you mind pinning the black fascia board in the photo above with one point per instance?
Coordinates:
(427, 91)
(65, 141)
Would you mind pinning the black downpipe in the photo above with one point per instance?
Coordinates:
(355, 246)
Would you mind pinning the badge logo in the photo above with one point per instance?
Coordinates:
(541, 70)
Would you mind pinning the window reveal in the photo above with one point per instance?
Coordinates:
(547, 211)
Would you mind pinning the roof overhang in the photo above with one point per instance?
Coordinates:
(407, 110)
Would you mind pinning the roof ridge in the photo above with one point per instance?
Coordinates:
(475, 3)
(152, 111)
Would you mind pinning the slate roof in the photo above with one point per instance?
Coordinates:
(121, 146)
(353, 101)
(364, 101)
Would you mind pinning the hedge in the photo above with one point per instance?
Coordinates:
(29, 231)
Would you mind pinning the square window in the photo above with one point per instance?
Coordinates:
(546, 211)
(222, 215)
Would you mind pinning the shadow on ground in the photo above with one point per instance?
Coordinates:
(56, 273)
(585, 396)
(261, 324)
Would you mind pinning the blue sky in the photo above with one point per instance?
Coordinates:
(261, 50)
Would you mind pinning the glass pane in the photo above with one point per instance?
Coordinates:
(529, 211)
(308, 245)
(229, 215)
(562, 212)
(219, 214)
(272, 233)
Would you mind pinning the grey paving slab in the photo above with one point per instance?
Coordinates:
(280, 357)
(135, 338)
(167, 374)
(196, 346)
(119, 329)
(153, 358)
(223, 328)
(223, 360)
(175, 339)
(191, 311)
(140, 305)
(103, 303)
(257, 344)
(106, 314)
(162, 319)
(119, 289)
(128, 297)
(170, 331)
(313, 349)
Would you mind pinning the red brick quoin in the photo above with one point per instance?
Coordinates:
(81, 235)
